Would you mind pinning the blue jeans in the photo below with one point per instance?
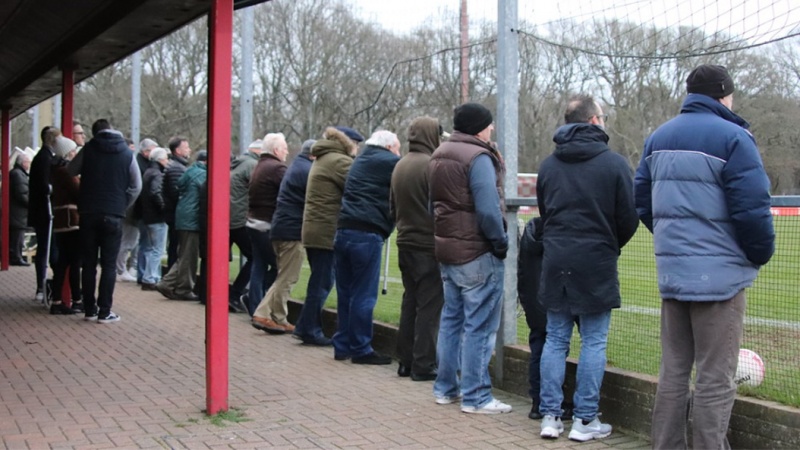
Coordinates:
(358, 257)
(320, 282)
(593, 329)
(264, 268)
(153, 244)
(473, 295)
(103, 233)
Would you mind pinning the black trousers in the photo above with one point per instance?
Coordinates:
(16, 240)
(241, 238)
(69, 258)
(420, 311)
(103, 234)
(172, 245)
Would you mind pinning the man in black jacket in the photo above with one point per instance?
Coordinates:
(18, 184)
(585, 195)
(154, 227)
(39, 214)
(179, 161)
(110, 183)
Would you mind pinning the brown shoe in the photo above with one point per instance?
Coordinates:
(287, 327)
(267, 325)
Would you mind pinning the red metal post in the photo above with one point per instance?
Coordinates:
(220, 60)
(5, 149)
(67, 104)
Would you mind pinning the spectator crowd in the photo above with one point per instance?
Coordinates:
(139, 212)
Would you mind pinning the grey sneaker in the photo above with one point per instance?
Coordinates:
(494, 406)
(583, 432)
(447, 400)
(551, 427)
(108, 318)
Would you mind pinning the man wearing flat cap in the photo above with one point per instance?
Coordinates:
(701, 189)
(470, 244)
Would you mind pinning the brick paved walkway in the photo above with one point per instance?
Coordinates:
(139, 383)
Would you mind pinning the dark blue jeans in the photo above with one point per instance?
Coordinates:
(264, 268)
(103, 234)
(358, 257)
(309, 324)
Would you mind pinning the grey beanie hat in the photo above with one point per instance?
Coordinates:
(63, 145)
(305, 149)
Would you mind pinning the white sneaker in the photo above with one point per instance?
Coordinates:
(447, 400)
(132, 272)
(592, 430)
(125, 276)
(494, 406)
(39, 296)
(552, 427)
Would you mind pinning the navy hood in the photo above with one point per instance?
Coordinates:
(577, 142)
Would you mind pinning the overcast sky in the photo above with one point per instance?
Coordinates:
(753, 19)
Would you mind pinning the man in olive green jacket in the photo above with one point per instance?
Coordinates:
(334, 155)
(241, 170)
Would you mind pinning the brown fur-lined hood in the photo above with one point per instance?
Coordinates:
(333, 141)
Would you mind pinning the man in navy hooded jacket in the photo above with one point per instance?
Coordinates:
(110, 183)
(701, 189)
(585, 194)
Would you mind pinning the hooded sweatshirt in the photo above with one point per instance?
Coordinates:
(110, 177)
(409, 195)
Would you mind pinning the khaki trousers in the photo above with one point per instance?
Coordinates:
(289, 258)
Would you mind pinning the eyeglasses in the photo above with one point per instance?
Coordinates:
(602, 117)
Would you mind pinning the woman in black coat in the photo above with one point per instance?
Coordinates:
(18, 213)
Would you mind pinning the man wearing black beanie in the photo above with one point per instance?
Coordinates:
(712, 189)
(470, 243)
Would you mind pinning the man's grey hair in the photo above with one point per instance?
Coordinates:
(382, 138)
(147, 144)
(271, 141)
(256, 145)
(159, 153)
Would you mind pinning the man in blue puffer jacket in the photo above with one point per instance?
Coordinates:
(701, 189)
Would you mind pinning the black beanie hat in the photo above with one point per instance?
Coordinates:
(471, 118)
(710, 80)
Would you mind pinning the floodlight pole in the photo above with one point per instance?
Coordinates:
(508, 141)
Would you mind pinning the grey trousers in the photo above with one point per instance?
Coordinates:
(420, 310)
(708, 335)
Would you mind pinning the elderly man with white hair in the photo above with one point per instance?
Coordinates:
(364, 224)
(154, 224)
(262, 200)
(19, 206)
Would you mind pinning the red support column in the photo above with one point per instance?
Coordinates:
(5, 149)
(220, 58)
(67, 104)
(67, 100)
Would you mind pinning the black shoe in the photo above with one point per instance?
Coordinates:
(60, 309)
(374, 358)
(77, 307)
(21, 262)
(149, 287)
(567, 407)
(163, 290)
(341, 357)
(189, 296)
(318, 341)
(235, 307)
(535, 414)
(403, 370)
(429, 376)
